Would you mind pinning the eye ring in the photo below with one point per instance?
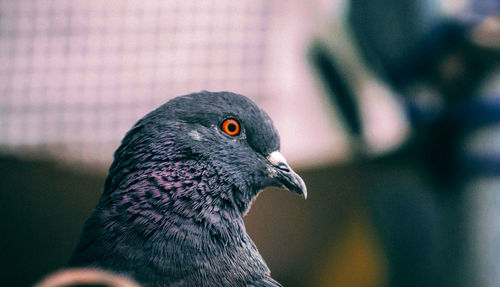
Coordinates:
(231, 127)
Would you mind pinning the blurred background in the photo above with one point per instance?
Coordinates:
(390, 110)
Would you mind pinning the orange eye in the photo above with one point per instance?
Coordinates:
(231, 127)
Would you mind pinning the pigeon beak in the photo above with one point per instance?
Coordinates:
(284, 173)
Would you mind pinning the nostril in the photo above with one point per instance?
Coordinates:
(283, 167)
(278, 161)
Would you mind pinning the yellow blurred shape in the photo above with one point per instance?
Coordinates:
(356, 260)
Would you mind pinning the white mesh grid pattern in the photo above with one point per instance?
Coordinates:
(76, 74)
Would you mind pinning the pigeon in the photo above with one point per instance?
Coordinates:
(171, 212)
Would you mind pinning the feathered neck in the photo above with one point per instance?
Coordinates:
(166, 223)
(180, 199)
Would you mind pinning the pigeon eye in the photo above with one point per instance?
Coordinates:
(231, 127)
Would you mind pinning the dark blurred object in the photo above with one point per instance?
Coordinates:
(339, 89)
(439, 67)
(388, 31)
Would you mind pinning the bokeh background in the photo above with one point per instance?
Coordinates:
(390, 110)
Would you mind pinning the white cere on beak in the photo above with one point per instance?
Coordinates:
(289, 179)
(276, 158)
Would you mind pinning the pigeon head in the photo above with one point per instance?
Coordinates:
(226, 134)
(182, 178)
